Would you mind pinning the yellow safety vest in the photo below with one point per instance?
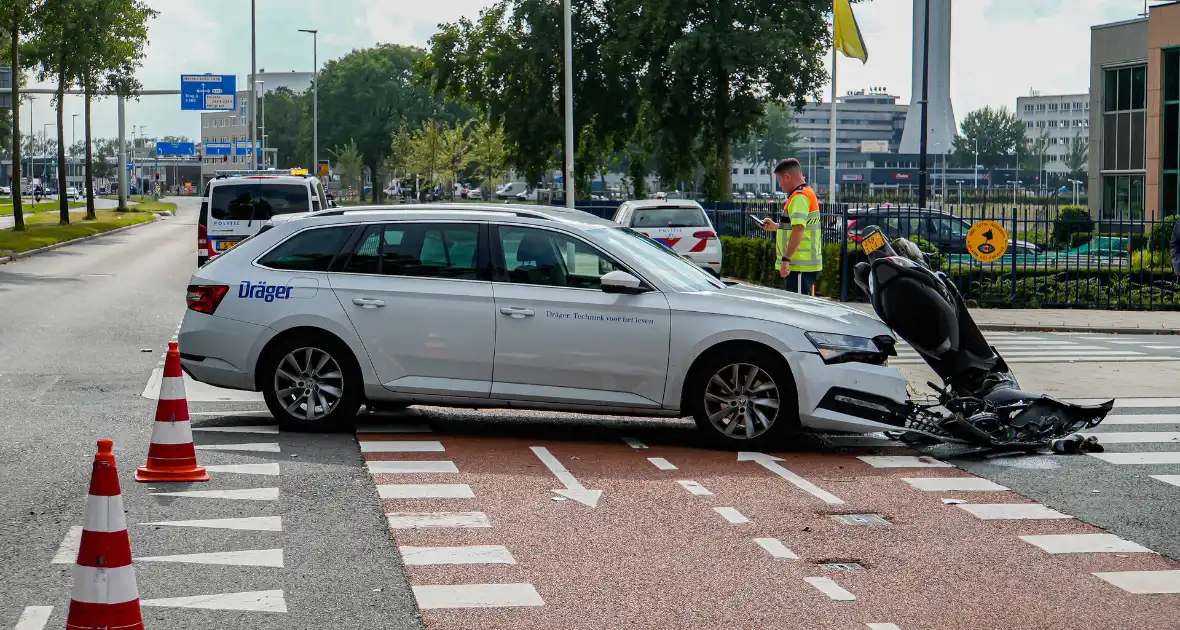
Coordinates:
(802, 208)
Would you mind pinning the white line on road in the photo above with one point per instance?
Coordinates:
(239, 414)
(1084, 543)
(1166, 418)
(661, 463)
(1136, 437)
(1148, 458)
(828, 587)
(254, 601)
(401, 446)
(271, 469)
(34, 618)
(249, 523)
(1144, 582)
(1163, 347)
(731, 515)
(953, 484)
(1172, 479)
(431, 520)
(1131, 403)
(425, 491)
(902, 461)
(246, 558)
(573, 488)
(634, 443)
(477, 596)
(475, 554)
(411, 467)
(694, 488)
(67, 552)
(771, 463)
(1011, 511)
(253, 447)
(776, 548)
(395, 427)
(885, 626)
(271, 429)
(246, 494)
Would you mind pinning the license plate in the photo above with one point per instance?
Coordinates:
(873, 242)
(222, 246)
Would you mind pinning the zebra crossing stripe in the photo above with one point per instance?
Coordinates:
(1137, 437)
(1146, 459)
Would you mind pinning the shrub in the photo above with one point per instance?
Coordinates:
(1072, 220)
(1077, 239)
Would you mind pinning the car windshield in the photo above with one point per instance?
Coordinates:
(675, 271)
(669, 218)
(257, 202)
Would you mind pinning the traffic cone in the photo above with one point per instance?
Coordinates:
(172, 455)
(105, 596)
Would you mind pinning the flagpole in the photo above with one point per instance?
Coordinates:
(832, 153)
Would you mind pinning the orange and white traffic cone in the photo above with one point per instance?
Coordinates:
(172, 455)
(105, 596)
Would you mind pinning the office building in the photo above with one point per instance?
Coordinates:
(1062, 119)
(1135, 116)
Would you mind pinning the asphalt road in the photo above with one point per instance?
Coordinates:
(450, 519)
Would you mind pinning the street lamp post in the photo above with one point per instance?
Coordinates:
(73, 137)
(977, 163)
(262, 129)
(45, 167)
(253, 94)
(315, 100)
(569, 107)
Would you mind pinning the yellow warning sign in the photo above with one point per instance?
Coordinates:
(987, 241)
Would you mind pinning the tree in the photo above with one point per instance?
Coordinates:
(456, 148)
(488, 152)
(773, 139)
(398, 162)
(350, 163)
(365, 95)
(285, 111)
(106, 165)
(997, 132)
(1034, 153)
(17, 17)
(428, 154)
(1078, 158)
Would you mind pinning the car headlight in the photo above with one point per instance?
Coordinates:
(836, 348)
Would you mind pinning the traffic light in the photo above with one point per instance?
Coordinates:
(225, 158)
(157, 177)
(198, 157)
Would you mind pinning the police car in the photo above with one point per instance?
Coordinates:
(525, 307)
(682, 225)
(237, 203)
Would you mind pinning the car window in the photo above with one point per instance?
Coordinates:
(676, 272)
(546, 258)
(669, 217)
(420, 250)
(257, 202)
(950, 227)
(309, 250)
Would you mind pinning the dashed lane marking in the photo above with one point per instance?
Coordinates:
(1172, 479)
(250, 523)
(1084, 543)
(828, 587)
(634, 443)
(246, 558)
(246, 494)
(432, 520)
(253, 601)
(253, 447)
(271, 469)
(475, 554)
(425, 491)
(1148, 458)
(776, 548)
(694, 488)
(953, 484)
(411, 467)
(1011, 511)
(395, 427)
(401, 446)
(34, 618)
(902, 461)
(265, 429)
(1136, 437)
(885, 626)
(732, 515)
(1144, 582)
(1163, 347)
(661, 463)
(67, 552)
(477, 596)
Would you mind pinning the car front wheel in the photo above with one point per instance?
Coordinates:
(311, 384)
(744, 399)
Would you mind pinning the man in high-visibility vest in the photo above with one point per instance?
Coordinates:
(799, 244)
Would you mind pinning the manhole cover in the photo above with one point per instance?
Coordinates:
(843, 566)
(859, 519)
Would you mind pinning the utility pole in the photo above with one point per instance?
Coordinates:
(122, 157)
(253, 94)
(262, 138)
(925, 105)
(569, 107)
(315, 100)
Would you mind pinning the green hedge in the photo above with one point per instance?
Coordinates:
(753, 260)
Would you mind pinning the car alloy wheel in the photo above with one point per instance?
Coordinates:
(309, 383)
(742, 401)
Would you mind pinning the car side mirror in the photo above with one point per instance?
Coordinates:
(622, 282)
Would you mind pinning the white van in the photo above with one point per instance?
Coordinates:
(511, 190)
(237, 203)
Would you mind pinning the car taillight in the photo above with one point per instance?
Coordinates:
(706, 234)
(205, 298)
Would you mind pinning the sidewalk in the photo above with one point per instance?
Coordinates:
(1072, 320)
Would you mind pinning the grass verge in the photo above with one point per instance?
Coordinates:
(44, 206)
(152, 206)
(43, 230)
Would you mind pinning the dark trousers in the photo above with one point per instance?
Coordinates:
(801, 281)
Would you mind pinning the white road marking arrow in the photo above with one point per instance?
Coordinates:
(573, 489)
(770, 462)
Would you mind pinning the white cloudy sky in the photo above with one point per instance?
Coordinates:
(1000, 48)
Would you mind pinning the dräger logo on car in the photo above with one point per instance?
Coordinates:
(263, 291)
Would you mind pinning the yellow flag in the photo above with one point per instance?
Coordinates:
(846, 33)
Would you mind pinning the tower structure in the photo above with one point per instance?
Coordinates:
(940, 115)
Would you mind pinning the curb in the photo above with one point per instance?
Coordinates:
(48, 248)
(1104, 330)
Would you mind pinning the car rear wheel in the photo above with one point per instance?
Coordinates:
(743, 399)
(311, 384)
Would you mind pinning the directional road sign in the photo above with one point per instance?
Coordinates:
(219, 148)
(203, 92)
(176, 148)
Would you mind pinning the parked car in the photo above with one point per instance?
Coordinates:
(941, 229)
(511, 190)
(680, 225)
(475, 193)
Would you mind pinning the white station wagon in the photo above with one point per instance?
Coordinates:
(523, 307)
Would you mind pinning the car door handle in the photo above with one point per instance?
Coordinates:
(518, 313)
(368, 302)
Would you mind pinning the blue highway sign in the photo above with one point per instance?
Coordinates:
(219, 148)
(176, 148)
(204, 92)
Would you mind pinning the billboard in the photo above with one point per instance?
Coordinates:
(874, 146)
